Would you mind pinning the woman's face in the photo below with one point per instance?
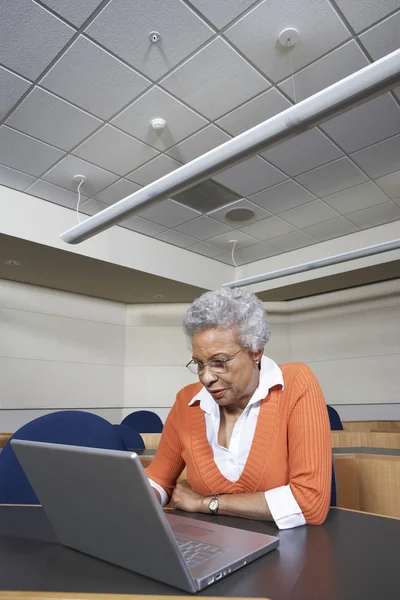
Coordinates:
(239, 382)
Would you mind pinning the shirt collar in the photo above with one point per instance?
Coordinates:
(270, 375)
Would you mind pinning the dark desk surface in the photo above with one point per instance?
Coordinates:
(143, 451)
(353, 556)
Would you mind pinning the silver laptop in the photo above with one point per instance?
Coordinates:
(101, 503)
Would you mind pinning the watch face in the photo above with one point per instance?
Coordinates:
(213, 504)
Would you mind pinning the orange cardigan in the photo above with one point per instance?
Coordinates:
(291, 445)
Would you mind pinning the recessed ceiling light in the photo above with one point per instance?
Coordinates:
(12, 263)
(159, 296)
(239, 215)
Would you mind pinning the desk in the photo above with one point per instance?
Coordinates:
(352, 556)
(362, 450)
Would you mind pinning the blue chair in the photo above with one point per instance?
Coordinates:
(334, 419)
(130, 437)
(74, 428)
(333, 487)
(144, 421)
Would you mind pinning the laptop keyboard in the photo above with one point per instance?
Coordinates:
(195, 552)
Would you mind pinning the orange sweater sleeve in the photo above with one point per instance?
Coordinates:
(168, 463)
(310, 449)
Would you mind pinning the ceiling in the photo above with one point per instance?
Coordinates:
(80, 82)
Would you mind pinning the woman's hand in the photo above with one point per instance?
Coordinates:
(184, 498)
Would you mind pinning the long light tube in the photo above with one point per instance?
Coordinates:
(316, 264)
(354, 89)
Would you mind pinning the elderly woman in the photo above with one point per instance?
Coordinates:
(253, 435)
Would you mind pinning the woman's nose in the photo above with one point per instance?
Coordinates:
(207, 377)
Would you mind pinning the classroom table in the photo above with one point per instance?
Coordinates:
(352, 556)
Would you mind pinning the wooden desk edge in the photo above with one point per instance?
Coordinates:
(78, 596)
(362, 512)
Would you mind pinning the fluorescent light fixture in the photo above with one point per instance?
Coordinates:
(373, 79)
(316, 264)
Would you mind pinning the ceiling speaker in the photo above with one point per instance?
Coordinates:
(239, 215)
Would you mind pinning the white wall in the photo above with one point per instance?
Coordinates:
(60, 350)
(351, 340)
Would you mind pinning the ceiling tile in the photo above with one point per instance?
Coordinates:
(282, 197)
(268, 228)
(142, 226)
(259, 213)
(30, 37)
(221, 13)
(90, 77)
(379, 159)
(63, 175)
(206, 196)
(366, 124)
(199, 143)
(206, 250)
(362, 13)
(55, 194)
(11, 89)
(375, 215)
(117, 191)
(181, 121)
(390, 184)
(15, 179)
(209, 80)
(125, 32)
(331, 178)
(177, 239)
(303, 152)
(203, 228)
(331, 229)
(384, 37)
(356, 198)
(52, 120)
(23, 153)
(115, 151)
(92, 207)
(324, 72)
(224, 241)
(169, 213)
(257, 32)
(154, 169)
(258, 252)
(250, 176)
(292, 241)
(74, 11)
(309, 214)
(255, 111)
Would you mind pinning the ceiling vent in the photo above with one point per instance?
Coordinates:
(239, 215)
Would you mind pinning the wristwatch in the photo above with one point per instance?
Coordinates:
(214, 504)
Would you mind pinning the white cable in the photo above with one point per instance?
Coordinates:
(294, 88)
(79, 199)
(233, 253)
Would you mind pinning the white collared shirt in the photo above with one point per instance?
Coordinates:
(231, 461)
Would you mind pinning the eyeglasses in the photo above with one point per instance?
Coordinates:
(216, 366)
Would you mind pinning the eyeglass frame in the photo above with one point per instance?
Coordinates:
(224, 361)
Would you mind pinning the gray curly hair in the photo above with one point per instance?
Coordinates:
(226, 308)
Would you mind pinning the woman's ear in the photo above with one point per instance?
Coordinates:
(257, 356)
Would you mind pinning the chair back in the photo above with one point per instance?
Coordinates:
(74, 428)
(333, 487)
(334, 419)
(131, 438)
(144, 421)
